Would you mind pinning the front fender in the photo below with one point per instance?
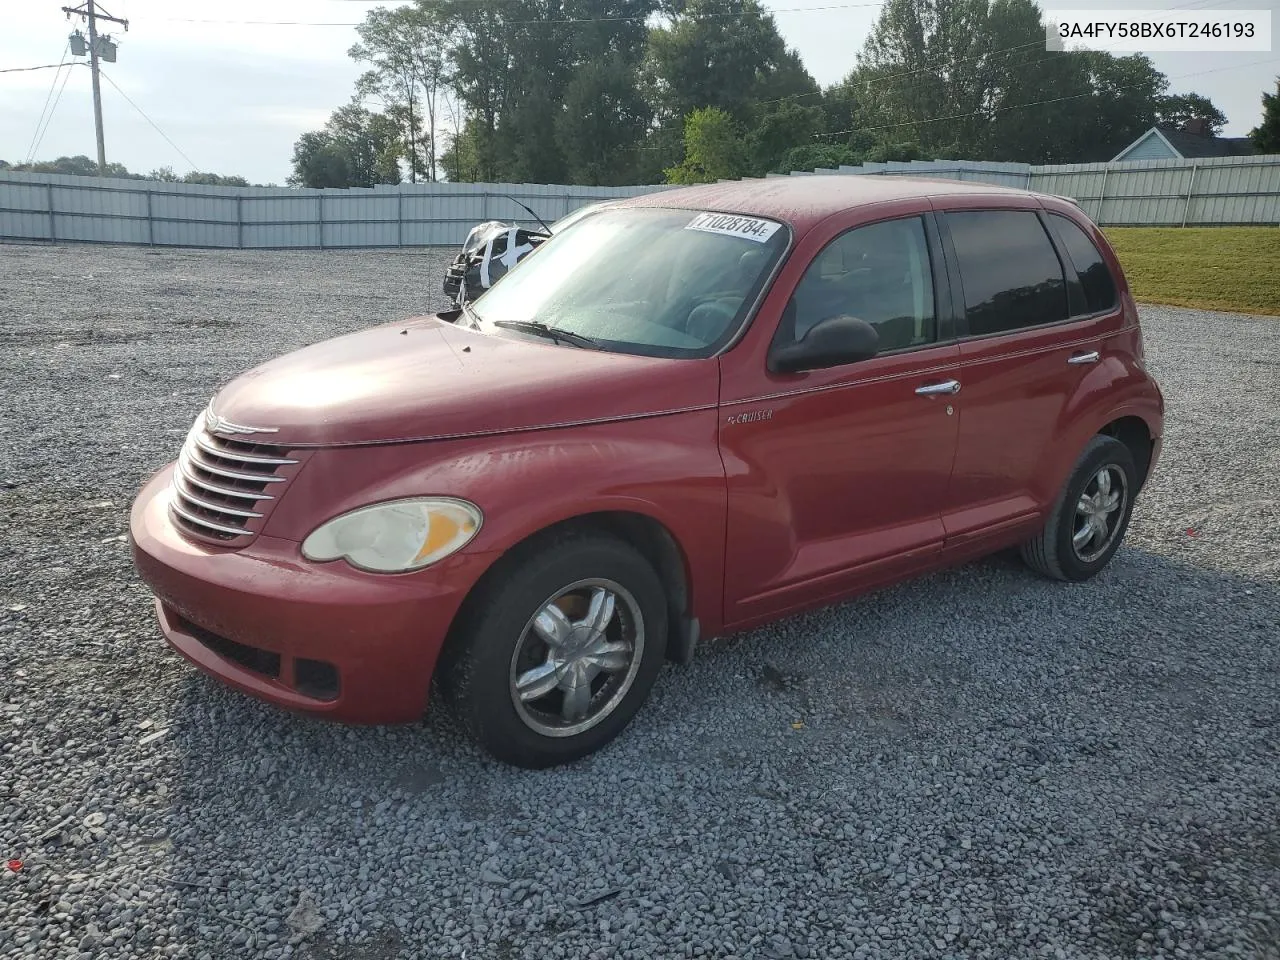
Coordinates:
(666, 468)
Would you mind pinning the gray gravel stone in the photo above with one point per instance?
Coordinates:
(989, 765)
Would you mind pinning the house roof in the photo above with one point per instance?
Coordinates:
(1194, 146)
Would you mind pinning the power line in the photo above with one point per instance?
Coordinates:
(43, 66)
(1035, 103)
(35, 147)
(909, 73)
(639, 19)
(144, 116)
(49, 96)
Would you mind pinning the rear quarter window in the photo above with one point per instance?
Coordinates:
(1095, 277)
(1011, 275)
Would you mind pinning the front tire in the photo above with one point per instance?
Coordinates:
(558, 651)
(1089, 519)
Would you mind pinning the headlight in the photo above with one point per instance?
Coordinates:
(396, 536)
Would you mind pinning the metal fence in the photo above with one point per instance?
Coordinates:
(89, 209)
(44, 207)
(1210, 192)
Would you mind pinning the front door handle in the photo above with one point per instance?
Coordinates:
(945, 388)
(1090, 357)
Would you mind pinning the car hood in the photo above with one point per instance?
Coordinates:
(425, 379)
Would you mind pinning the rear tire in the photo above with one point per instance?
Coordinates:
(1088, 520)
(557, 652)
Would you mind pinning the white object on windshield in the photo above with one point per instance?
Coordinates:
(732, 225)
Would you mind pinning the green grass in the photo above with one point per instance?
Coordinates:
(1210, 268)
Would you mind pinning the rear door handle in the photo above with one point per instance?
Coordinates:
(945, 388)
(1090, 357)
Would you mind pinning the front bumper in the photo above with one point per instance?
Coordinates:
(321, 638)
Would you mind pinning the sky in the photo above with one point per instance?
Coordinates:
(232, 96)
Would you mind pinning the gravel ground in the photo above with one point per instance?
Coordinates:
(976, 764)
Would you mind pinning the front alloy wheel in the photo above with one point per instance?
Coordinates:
(557, 649)
(577, 658)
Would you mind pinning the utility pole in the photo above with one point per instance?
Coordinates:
(88, 11)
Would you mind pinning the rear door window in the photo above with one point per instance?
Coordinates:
(1011, 274)
(1095, 277)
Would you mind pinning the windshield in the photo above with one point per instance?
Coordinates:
(671, 283)
(569, 219)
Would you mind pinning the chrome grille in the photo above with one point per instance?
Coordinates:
(223, 488)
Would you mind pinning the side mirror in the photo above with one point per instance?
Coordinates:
(828, 343)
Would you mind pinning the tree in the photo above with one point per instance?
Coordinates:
(482, 63)
(387, 43)
(545, 90)
(82, 166)
(728, 54)
(971, 79)
(603, 121)
(604, 116)
(1178, 109)
(712, 148)
(215, 179)
(1266, 135)
(77, 166)
(319, 161)
(408, 50)
(356, 148)
(778, 129)
(1125, 92)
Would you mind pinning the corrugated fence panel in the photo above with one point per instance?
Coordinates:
(359, 207)
(91, 229)
(1140, 211)
(23, 196)
(178, 233)
(109, 203)
(1155, 183)
(183, 207)
(295, 208)
(432, 233)
(282, 235)
(1244, 190)
(27, 226)
(444, 209)
(358, 234)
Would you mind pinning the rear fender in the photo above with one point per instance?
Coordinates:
(1109, 392)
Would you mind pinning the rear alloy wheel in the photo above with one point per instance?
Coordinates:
(1089, 519)
(1098, 513)
(557, 652)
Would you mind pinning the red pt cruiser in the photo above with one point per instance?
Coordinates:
(687, 414)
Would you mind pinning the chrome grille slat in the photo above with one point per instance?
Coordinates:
(228, 454)
(202, 522)
(223, 472)
(195, 481)
(217, 487)
(214, 507)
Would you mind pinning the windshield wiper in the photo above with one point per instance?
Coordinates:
(538, 328)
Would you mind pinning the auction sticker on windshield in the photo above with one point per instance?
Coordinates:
(731, 225)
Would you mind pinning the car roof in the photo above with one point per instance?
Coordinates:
(803, 201)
